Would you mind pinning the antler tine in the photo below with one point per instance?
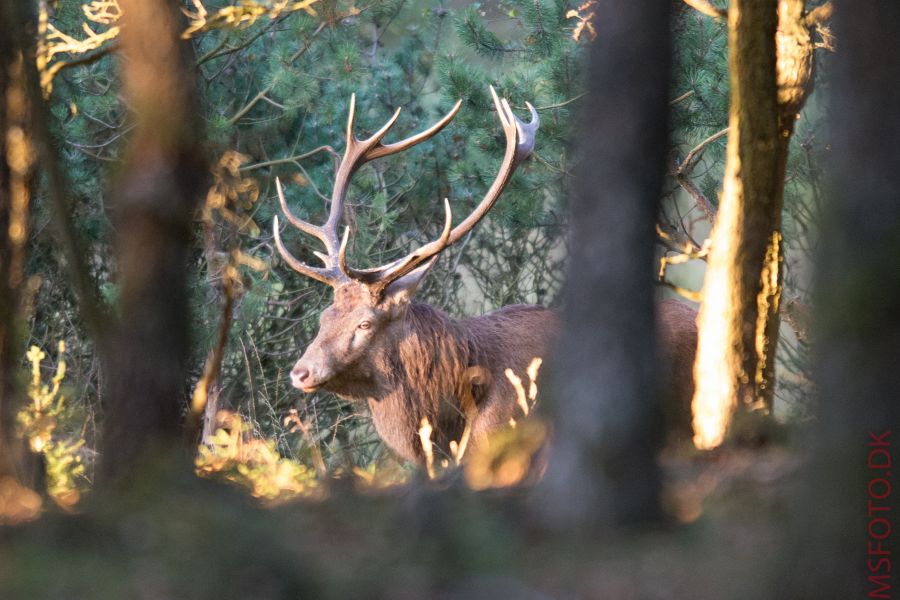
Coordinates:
(350, 115)
(342, 252)
(294, 220)
(356, 154)
(387, 149)
(415, 259)
(359, 152)
(330, 276)
(520, 138)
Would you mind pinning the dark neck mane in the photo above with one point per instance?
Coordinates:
(427, 378)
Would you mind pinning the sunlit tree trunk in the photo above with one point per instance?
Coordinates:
(794, 73)
(857, 295)
(747, 225)
(605, 379)
(155, 196)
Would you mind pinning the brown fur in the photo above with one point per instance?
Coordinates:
(678, 343)
(416, 362)
(430, 372)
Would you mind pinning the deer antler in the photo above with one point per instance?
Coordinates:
(357, 153)
(519, 144)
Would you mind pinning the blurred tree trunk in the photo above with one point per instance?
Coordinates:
(8, 301)
(16, 175)
(746, 229)
(605, 384)
(155, 196)
(858, 342)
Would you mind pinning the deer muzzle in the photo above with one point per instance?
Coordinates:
(306, 377)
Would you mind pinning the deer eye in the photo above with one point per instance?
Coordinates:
(365, 325)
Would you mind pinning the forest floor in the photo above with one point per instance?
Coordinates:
(193, 538)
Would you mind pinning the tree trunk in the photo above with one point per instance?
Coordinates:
(8, 300)
(16, 174)
(605, 386)
(858, 343)
(794, 72)
(747, 225)
(155, 196)
(20, 471)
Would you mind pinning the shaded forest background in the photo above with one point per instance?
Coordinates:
(273, 96)
(272, 90)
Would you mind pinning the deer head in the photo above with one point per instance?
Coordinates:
(356, 333)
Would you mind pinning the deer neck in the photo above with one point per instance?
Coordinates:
(424, 379)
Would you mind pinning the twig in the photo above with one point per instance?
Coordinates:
(289, 159)
(705, 7)
(683, 292)
(687, 164)
(683, 169)
(680, 243)
(559, 105)
(211, 370)
(819, 14)
(681, 98)
(699, 199)
(90, 58)
(212, 53)
(247, 107)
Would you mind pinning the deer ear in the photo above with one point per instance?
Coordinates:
(400, 292)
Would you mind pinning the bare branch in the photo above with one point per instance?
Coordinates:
(289, 159)
(688, 163)
(683, 292)
(681, 98)
(819, 15)
(705, 7)
(699, 199)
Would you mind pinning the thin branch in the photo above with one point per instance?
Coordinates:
(679, 243)
(247, 107)
(559, 105)
(705, 7)
(681, 98)
(211, 368)
(683, 292)
(90, 58)
(699, 199)
(212, 53)
(290, 159)
(687, 164)
(819, 15)
(682, 170)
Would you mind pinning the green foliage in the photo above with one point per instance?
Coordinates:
(274, 91)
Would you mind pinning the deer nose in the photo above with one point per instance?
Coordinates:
(300, 376)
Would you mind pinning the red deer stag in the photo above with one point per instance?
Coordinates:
(406, 359)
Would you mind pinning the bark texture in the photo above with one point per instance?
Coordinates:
(858, 341)
(746, 226)
(605, 381)
(155, 196)
(794, 72)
